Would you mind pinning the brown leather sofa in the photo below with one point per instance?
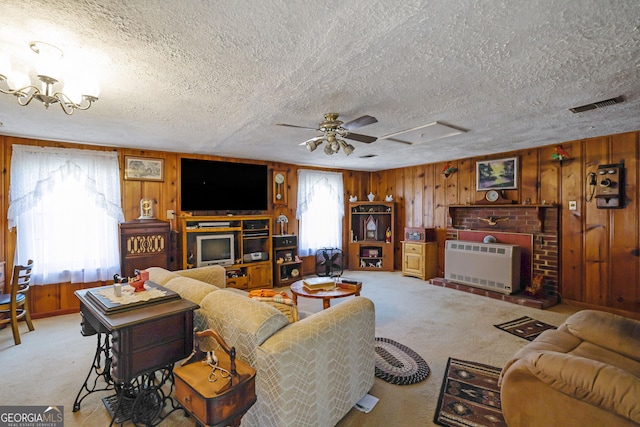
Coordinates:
(585, 373)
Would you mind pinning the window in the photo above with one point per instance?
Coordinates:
(65, 206)
(320, 210)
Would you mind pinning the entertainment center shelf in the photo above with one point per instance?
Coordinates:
(209, 240)
(371, 228)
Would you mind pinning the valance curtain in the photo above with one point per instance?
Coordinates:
(65, 205)
(320, 210)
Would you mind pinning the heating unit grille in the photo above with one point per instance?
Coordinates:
(493, 266)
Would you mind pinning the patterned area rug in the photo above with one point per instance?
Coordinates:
(398, 364)
(469, 396)
(525, 327)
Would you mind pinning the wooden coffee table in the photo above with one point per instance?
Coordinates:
(297, 289)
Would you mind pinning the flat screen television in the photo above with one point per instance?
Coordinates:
(215, 249)
(210, 185)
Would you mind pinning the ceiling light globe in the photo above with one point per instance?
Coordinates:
(5, 65)
(348, 149)
(311, 145)
(17, 80)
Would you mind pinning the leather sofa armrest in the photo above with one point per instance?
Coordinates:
(556, 340)
(597, 383)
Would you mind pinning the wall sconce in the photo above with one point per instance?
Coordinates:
(448, 170)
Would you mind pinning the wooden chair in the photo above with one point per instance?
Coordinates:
(15, 304)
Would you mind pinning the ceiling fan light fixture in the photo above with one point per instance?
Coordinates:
(312, 145)
(333, 131)
(347, 148)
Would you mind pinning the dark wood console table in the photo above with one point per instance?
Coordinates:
(137, 344)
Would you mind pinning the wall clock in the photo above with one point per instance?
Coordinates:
(492, 196)
(279, 187)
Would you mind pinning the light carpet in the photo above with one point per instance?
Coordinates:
(50, 365)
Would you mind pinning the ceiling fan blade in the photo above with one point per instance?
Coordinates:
(295, 126)
(359, 122)
(317, 138)
(361, 138)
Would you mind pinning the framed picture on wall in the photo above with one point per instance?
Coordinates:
(143, 169)
(499, 174)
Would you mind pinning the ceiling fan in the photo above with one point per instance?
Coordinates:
(333, 130)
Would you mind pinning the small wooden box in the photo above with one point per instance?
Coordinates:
(418, 234)
(215, 403)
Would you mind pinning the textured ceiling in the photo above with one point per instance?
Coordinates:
(214, 77)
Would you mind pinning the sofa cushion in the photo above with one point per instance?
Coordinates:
(160, 275)
(241, 321)
(279, 300)
(212, 274)
(191, 289)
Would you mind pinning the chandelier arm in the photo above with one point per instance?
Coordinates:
(68, 110)
(23, 92)
(68, 106)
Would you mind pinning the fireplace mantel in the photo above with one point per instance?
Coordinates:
(539, 208)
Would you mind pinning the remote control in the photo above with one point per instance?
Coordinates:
(353, 282)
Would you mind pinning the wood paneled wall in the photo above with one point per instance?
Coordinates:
(59, 298)
(600, 250)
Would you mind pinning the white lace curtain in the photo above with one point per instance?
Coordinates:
(65, 205)
(320, 210)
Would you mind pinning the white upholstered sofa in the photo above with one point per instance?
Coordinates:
(308, 373)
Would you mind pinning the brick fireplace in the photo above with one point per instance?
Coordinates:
(539, 221)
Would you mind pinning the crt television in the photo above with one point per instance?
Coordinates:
(215, 249)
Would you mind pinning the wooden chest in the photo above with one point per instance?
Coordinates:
(222, 402)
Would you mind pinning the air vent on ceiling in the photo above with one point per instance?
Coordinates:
(368, 156)
(598, 104)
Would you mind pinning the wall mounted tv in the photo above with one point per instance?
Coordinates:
(209, 185)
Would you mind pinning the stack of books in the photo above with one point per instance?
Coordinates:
(314, 284)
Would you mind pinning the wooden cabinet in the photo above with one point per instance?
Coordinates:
(143, 243)
(250, 265)
(420, 259)
(143, 339)
(288, 266)
(371, 235)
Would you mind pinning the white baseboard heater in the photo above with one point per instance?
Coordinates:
(492, 266)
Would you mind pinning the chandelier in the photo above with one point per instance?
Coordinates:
(79, 95)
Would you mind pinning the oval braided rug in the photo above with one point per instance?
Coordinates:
(398, 364)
